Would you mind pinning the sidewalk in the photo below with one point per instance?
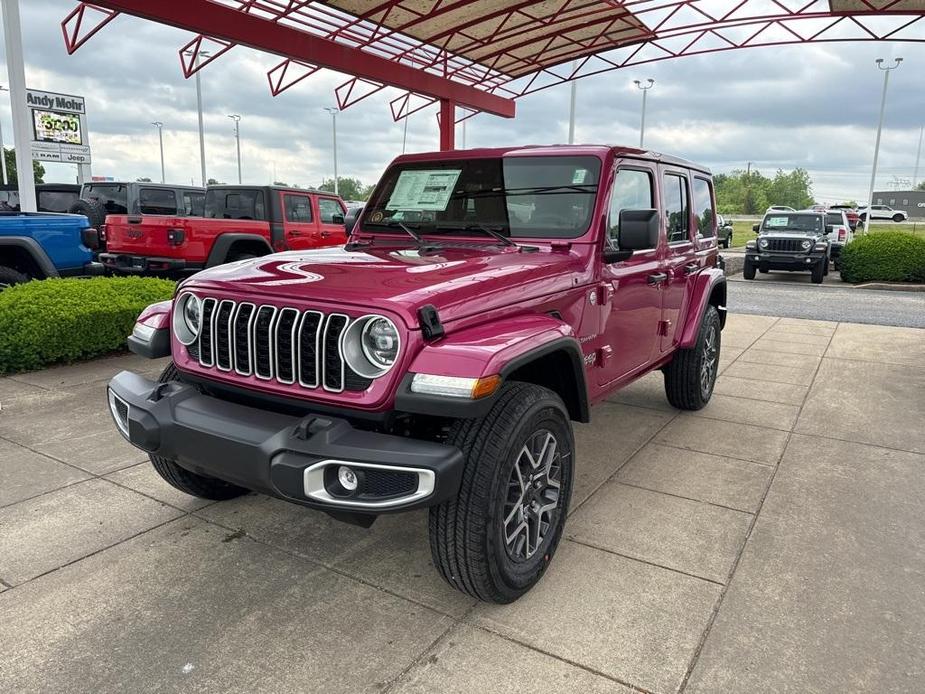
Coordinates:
(772, 542)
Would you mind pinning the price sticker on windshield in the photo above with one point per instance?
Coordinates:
(579, 176)
(423, 190)
(777, 221)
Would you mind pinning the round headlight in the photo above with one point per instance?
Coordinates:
(763, 243)
(187, 318)
(807, 245)
(371, 345)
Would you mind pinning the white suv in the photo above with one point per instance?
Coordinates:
(882, 212)
(839, 234)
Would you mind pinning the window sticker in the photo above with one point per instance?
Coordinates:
(777, 222)
(579, 176)
(423, 190)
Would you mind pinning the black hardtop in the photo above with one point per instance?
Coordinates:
(284, 189)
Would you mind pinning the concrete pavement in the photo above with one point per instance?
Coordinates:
(772, 542)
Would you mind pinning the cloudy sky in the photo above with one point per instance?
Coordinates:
(813, 106)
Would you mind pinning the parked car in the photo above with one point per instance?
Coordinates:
(439, 359)
(39, 245)
(882, 212)
(792, 241)
(779, 208)
(724, 231)
(851, 213)
(839, 233)
(49, 197)
(240, 222)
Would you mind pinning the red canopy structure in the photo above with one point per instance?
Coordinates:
(482, 55)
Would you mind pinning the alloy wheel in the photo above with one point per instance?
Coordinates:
(532, 504)
(709, 362)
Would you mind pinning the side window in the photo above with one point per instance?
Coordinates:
(632, 190)
(328, 208)
(703, 207)
(677, 209)
(157, 201)
(247, 204)
(194, 204)
(298, 208)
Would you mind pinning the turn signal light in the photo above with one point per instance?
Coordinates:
(455, 386)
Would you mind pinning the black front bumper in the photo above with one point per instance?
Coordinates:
(121, 262)
(784, 261)
(280, 455)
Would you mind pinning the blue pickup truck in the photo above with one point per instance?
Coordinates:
(38, 245)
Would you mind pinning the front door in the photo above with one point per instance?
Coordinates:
(631, 299)
(681, 263)
(331, 212)
(299, 227)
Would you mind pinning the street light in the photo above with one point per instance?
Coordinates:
(571, 108)
(237, 139)
(873, 173)
(918, 156)
(333, 111)
(202, 139)
(160, 136)
(645, 88)
(3, 151)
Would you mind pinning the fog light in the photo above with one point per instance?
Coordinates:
(347, 478)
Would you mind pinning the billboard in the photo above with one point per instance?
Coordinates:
(59, 127)
(55, 126)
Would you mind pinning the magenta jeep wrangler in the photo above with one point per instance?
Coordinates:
(485, 300)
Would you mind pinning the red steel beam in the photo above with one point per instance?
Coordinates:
(229, 24)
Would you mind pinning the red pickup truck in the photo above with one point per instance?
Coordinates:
(239, 222)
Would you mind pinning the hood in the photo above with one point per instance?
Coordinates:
(458, 279)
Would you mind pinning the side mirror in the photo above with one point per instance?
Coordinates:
(337, 219)
(351, 220)
(639, 230)
(755, 227)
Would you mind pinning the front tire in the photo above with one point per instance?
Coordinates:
(184, 480)
(748, 271)
(691, 374)
(818, 272)
(898, 218)
(9, 277)
(496, 538)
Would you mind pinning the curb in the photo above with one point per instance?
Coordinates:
(889, 287)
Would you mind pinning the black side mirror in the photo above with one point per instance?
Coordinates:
(351, 219)
(337, 219)
(639, 230)
(755, 227)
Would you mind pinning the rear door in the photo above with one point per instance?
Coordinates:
(681, 262)
(299, 226)
(331, 214)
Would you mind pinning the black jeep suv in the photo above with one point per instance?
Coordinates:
(789, 241)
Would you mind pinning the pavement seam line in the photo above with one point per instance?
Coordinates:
(715, 455)
(4, 583)
(624, 483)
(630, 557)
(699, 415)
(695, 658)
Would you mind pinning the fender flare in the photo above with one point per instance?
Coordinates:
(219, 253)
(35, 251)
(487, 350)
(708, 282)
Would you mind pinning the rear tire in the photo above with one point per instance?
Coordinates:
(818, 272)
(691, 374)
(9, 277)
(495, 539)
(184, 480)
(241, 256)
(748, 271)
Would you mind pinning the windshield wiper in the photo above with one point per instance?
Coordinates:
(506, 240)
(395, 223)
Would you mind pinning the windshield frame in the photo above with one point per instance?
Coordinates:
(819, 216)
(458, 228)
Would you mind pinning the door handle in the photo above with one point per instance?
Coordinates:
(691, 268)
(657, 278)
(325, 234)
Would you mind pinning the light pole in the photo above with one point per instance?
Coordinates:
(571, 108)
(918, 156)
(873, 173)
(3, 151)
(202, 139)
(333, 111)
(160, 136)
(237, 139)
(645, 88)
(404, 137)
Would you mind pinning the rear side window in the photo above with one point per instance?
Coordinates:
(703, 207)
(194, 204)
(632, 190)
(114, 197)
(298, 208)
(157, 201)
(834, 219)
(677, 208)
(235, 204)
(56, 200)
(328, 208)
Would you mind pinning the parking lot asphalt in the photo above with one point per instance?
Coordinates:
(772, 542)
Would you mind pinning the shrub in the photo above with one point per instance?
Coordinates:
(888, 257)
(68, 319)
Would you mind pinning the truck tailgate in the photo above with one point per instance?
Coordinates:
(144, 235)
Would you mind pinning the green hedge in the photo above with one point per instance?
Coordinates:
(886, 257)
(68, 319)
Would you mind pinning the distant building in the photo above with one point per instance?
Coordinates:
(912, 201)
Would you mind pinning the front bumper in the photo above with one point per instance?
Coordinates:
(121, 262)
(284, 456)
(784, 261)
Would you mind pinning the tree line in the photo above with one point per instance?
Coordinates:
(750, 192)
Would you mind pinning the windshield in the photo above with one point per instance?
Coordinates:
(834, 219)
(806, 223)
(521, 197)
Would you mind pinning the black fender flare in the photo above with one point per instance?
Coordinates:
(35, 251)
(219, 253)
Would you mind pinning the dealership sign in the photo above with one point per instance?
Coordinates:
(58, 127)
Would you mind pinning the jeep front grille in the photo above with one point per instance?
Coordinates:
(285, 345)
(786, 245)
